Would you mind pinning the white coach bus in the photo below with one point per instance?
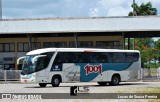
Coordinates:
(61, 65)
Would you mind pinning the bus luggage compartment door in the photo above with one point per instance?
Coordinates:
(71, 72)
(91, 72)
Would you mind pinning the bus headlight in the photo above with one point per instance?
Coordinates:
(33, 75)
(28, 76)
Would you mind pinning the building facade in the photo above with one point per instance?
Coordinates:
(18, 36)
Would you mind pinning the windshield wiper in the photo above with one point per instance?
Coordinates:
(22, 73)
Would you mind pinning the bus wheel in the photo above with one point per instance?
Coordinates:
(42, 84)
(115, 80)
(102, 83)
(55, 81)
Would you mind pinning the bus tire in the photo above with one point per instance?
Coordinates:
(42, 84)
(55, 81)
(115, 80)
(102, 83)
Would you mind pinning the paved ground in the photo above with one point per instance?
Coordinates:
(125, 87)
(65, 87)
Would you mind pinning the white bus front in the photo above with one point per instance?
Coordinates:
(28, 74)
(34, 67)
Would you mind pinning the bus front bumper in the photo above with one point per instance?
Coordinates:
(31, 78)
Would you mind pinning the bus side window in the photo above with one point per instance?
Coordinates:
(97, 58)
(57, 64)
(103, 58)
(135, 57)
(42, 63)
(109, 57)
(118, 57)
(64, 57)
(132, 57)
(129, 59)
(79, 57)
(57, 59)
(71, 56)
(92, 57)
(87, 58)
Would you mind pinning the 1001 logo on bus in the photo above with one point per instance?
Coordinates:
(93, 69)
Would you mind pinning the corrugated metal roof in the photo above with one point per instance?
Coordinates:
(62, 18)
(85, 24)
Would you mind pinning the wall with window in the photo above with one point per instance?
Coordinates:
(54, 44)
(108, 44)
(18, 47)
(7, 60)
(83, 44)
(7, 47)
(24, 46)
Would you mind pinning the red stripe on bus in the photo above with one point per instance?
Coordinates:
(88, 50)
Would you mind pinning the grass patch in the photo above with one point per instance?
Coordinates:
(149, 90)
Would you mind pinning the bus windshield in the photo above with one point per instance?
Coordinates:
(40, 64)
(28, 67)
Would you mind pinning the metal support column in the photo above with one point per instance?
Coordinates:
(16, 55)
(76, 40)
(134, 14)
(133, 43)
(128, 43)
(123, 40)
(30, 41)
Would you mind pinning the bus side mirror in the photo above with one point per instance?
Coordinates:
(34, 60)
(20, 60)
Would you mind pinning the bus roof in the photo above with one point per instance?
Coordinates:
(39, 51)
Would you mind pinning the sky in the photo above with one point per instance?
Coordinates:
(69, 8)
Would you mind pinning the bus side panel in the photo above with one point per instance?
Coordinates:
(88, 72)
(134, 70)
(41, 76)
(103, 71)
(71, 72)
(107, 75)
(91, 72)
(124, 75)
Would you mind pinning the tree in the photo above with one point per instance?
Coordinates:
(157, 46)
(145, 45)
(143, 9)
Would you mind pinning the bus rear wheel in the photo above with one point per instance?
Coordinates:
(55, 81)
(42, 84)
(102, 83)
(115, 80)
